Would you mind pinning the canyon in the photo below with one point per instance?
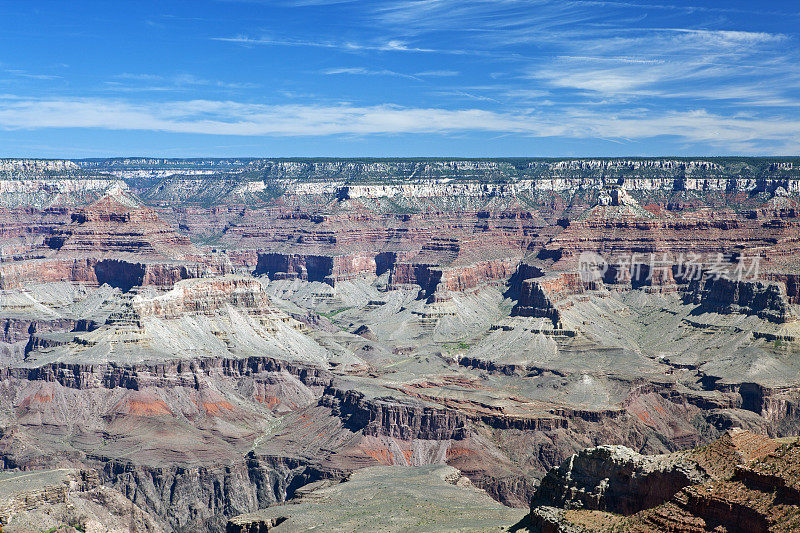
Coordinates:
(244, 344)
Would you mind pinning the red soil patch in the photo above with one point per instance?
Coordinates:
(408, 454)
(453, 453)
(216, 408)
(42, 397)
(146, 408)
(271, 401)
(383, 457)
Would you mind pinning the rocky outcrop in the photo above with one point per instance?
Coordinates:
(732, 484)
(791, 284)
(723, 295)
(545, 519)
(206, 295)
(541, 297)
(759, 496)
(18, 329)
(451, 264)
(68, 498)
(323, 268)
(403, 420)
(441, 279)
(615, 479)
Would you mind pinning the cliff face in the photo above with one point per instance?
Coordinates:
(115, 224)
(326, 269)
(743, 169)
(758, 496)
(112, 240)
(44, 193)
(766, 300)
(204, 296)
(539, 296)
(28, 167)
(114, 272)
(391, 419)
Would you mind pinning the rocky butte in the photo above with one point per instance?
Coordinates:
(245, 344)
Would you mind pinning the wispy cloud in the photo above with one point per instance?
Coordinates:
(33, 76)
(744, 133)
(594, 53)
(434, 15)
(360, 71)
(673, 62)
(689, 9)
(392, 45)
(454, 93)
(607, 47)
(437, 73)
(156, 82)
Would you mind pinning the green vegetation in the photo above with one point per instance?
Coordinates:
(77, 526)
(456, 346)
(331, 314)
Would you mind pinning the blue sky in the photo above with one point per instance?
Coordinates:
(399, 78)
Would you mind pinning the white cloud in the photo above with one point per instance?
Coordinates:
(392, 45)
(613, 49)
(173, 82)
(360, 71)
(741, 133)
(438, 73)
(667, 63)
(25, 74)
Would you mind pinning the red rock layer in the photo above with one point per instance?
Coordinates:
(111, 241)
(612, 231)
(111, 226)
(95, 272)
